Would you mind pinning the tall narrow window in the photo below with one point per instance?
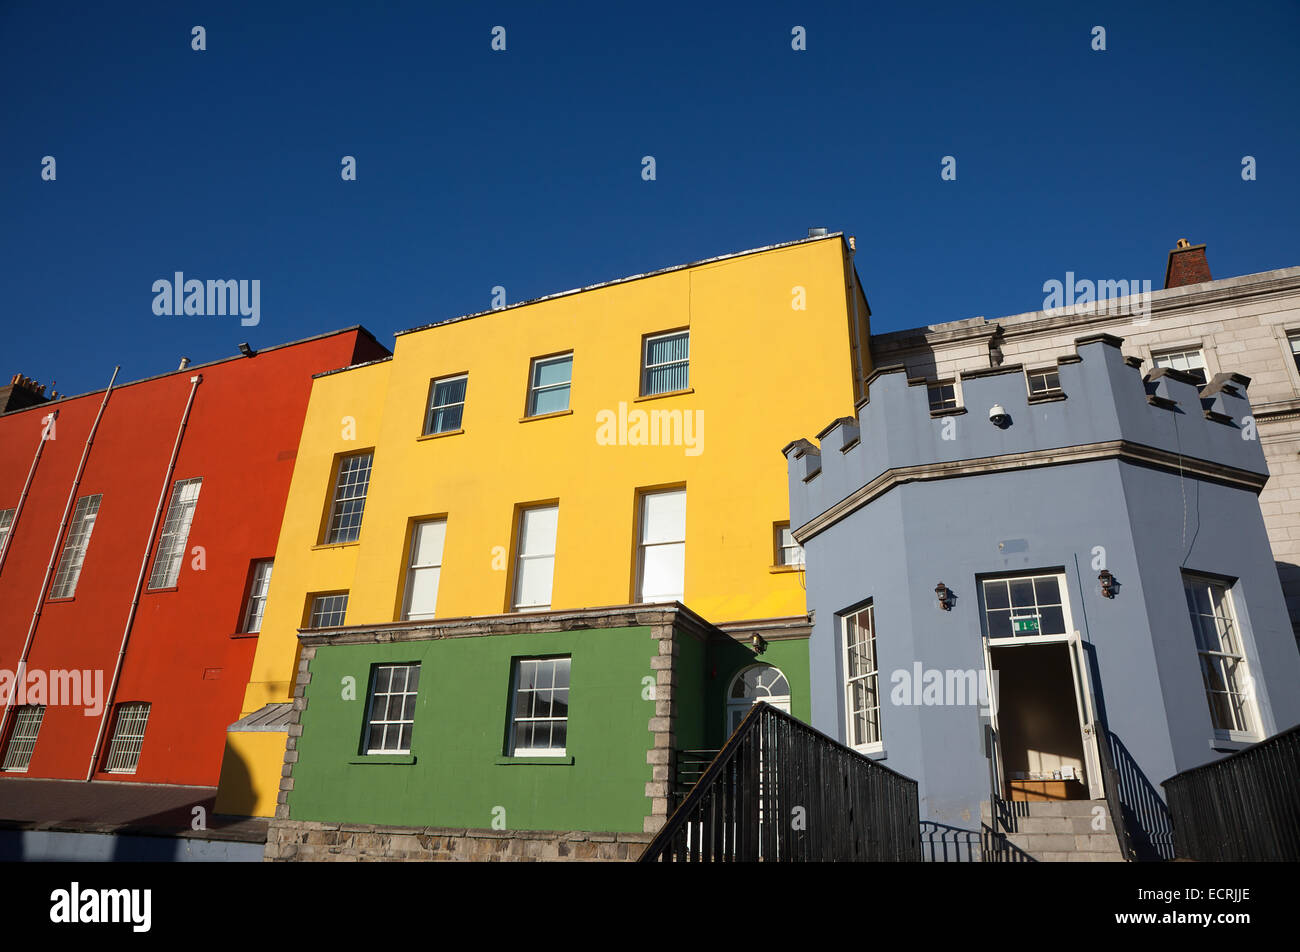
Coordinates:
(257, 589)
(446, 405)
(1190, 361)
(329, 611)
(1293, 340)
(426, 568)
(22, 741)
(1223, 660)
(390, 717)
(175, 533)
(6, 522)
(349, 498)
(74, 547)
(662, 562)
(539, 719)
(666, 366)
(788, 551)
(861, 679)
(128, 738)
(548, 384)
(535, 565)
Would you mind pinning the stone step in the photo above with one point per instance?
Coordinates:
(1060, 831)
(1035, 843)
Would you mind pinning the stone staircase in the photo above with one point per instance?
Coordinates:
(1058, 832)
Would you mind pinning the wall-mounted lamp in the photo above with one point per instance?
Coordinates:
(246, 350)
(1107, 583)
(945, 596)
(759, 643)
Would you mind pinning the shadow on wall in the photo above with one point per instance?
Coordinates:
(1145, 815)
(1289, 575)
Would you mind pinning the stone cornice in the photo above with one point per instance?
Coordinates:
(1124, 450)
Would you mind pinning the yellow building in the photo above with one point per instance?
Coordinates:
(611, 445)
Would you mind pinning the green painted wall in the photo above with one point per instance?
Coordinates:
(726, 659)
(462, 712)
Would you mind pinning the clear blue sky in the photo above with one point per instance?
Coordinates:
(523, 168)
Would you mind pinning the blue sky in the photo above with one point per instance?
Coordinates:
(523, 168)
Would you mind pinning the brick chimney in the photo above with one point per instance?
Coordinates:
(1187, 265)
(22, 392)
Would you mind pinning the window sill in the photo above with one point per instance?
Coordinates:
(60, 601)
(660, 396)
(534, 761)
(1233, 742)
(1052, 397)
(334, 545)
(245, 634)
(392, 760)
(874, 751)
(545, 416)
(779, 569)
(161, 591)
(438, 436)
(947, 411)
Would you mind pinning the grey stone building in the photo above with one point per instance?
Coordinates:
(1249, 325)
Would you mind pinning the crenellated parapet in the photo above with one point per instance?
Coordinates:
(1104, 408)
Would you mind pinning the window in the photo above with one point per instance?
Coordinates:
(943, 395)
(446, 405)
(6, 520)
(535, 563)
(328, 611)
(760, 682)
(349, 499)
(788, 552)
(1025, 607)
(1190, 361)
(548, 384)
(128, 738)
(175, 534)
(390, 715)
(425, 569)
(539, 719)
(257, 590)
(666, 365)
(1292, 339)
(22, 741)
(74, 547)
(1043, 382)
(861, 679)
(1223, 661)
(662, 563)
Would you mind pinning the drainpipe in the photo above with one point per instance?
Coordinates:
(22, 499)
(139, 582)
(54, 553)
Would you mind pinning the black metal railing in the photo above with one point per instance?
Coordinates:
(1245, 807)
(781, 791)
(691, 765)
(1110, 783)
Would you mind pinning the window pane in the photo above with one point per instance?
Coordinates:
(663, 570)
(664, 517)
(350, 498)
(550, 372)
(536, 576)
(552, 400)
(75, 546)
(447, 392)
(537, 531)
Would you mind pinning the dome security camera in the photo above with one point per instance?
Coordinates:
(998, 416)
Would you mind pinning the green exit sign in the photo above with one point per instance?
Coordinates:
(1023, 625)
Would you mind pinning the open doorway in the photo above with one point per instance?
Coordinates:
(1041, 745)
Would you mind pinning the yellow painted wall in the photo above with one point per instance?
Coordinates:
(250, 773)
(760, 371)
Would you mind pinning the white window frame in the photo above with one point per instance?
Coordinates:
(1025, 613)
(1172, 353)
(433, 407)
(22, 738)
(175, 536)
(319, 610)
(6, 527)
(534, 389)
(1044, 373)
(337, 530)
(84, 517)
(1237, 678)
(129, 726)
(940, 385)
(531, 556)
(738, 707)
(868, 677)
(258, 587)
(647, 367)
(405, 709)
(417, 571)
(517, 668)
(643, 526)
(788, 554)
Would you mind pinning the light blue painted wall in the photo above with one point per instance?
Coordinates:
(45, 846)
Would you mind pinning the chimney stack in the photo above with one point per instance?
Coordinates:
(21, 392)
(185, 362)
(1187, 265)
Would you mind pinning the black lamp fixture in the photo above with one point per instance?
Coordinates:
(1107, 583)
(758, 642)
(945, 596)
(246, 350)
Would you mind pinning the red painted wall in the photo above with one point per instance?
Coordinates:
(182, 658)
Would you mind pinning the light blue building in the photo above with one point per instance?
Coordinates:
(1094, 551)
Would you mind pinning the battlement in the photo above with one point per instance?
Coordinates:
(1104, 408)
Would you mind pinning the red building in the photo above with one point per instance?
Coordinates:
(137, 525)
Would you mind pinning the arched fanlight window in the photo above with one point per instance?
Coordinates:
(758, 682)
